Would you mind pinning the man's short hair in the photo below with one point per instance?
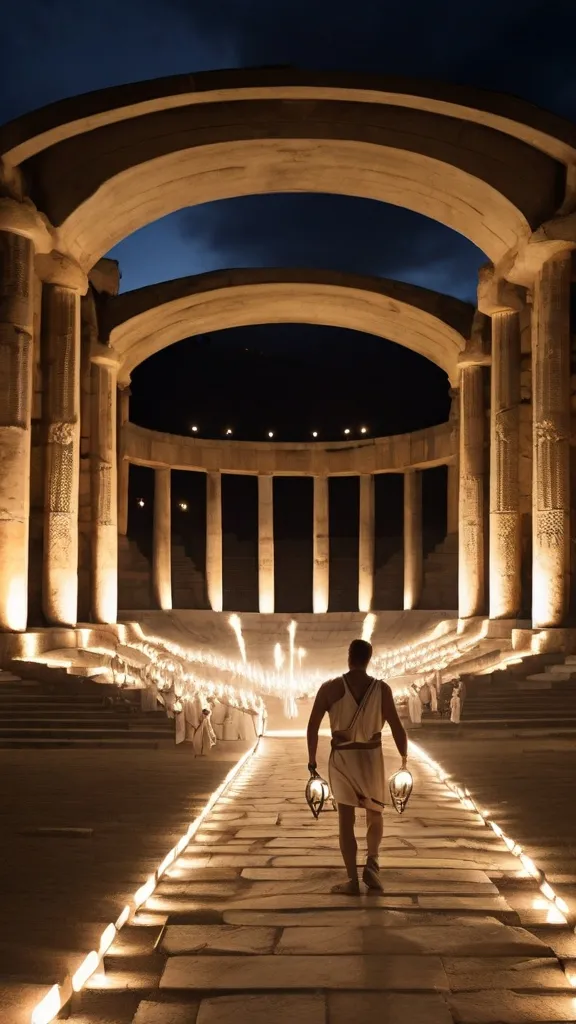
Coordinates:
(360, 652)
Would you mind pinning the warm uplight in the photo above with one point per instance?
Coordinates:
(314, 433)
(183, 506)
(368, 626)
(106, 939)
(85, 971)
(194, 430)
(347, 431)
(270, 433)
(46, 1010)
(278, 657)
(363, 430)
(228, 432)
(236, 625)
(144, 892)
(141, 502)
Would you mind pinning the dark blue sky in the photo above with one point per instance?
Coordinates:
(50, 49)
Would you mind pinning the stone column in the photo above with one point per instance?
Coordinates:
(321, 546)
(123, 464)
(214, 540)
(104, 583)
(21, 234)
(505, 552)
(551, 443)
(471, 588)
(366, 544)
(413, 573)
(453, 480)
(64, 283)
(266, 544)
(162, 546)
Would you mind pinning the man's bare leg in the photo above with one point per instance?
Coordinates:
(374, 830)
(349, 851)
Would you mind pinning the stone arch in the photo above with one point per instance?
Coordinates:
(103, 165)
(139, 323)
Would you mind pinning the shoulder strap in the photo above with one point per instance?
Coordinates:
(360, 707)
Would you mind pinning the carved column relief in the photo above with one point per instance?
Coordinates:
(471, 589)
(366, 544)
(412, 539)
(321, 546)
(162, 541)
(551, 443)
(61, 359)
(214, 540)
(16, 359)
(505, 536)
(104, 491)
(266, 544)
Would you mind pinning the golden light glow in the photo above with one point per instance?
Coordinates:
(270, 433)
(144, 892)
(554, 905)
(347, 431)
(17, 605)
(141, 502)
(314, 433)
(106, 939)
(85, 971)
(363, 430)
(183, 506)
(368, 626)
(194, 430)
(47, 1009)
(279, 657)
(228, 432)
(236, 625)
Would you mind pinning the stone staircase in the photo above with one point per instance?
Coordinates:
(76, 713)
(188, 583)
(134, 576)
(440, 589)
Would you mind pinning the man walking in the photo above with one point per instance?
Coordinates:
(358, 707)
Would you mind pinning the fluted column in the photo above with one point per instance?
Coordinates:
(471, 584)
(104, 583)
(366, 544)
(453, 481)
(21, 234)
(505, 552)
(63, 285)
(214, 540)
(162, 542)
(123, 464)
(412, 539)
(551, 443)
(321, 546)
(266, 544)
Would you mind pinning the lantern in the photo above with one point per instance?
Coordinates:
(317, 793)
(401, 784)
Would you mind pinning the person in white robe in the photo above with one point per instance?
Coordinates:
(358, 707)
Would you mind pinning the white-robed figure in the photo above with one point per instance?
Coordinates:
(358, 707)
(204, 737)
(455, 705)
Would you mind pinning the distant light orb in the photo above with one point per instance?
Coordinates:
(141, 502)
(314, 433)
(183, 506)
(363, 430)
(347, 431)
(194, 430)
(229, 431)
(270, 433)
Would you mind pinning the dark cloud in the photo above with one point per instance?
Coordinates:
(334, 233)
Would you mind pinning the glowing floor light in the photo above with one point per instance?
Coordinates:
(236, 625)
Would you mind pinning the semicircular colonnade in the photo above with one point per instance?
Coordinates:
(81, 174)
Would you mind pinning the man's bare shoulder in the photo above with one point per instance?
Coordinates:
(331, 691)
(386, 690)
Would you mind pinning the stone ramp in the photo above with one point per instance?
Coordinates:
(243, 928)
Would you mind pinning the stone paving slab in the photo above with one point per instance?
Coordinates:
(380, 973)
(253, 934)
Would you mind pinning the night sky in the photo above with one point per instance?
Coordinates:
(291, 378)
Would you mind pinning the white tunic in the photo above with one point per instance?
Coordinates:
(357, 775)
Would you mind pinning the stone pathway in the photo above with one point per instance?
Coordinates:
(243, 928)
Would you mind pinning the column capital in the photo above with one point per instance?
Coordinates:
(554, 238)
(496, 294)
(61, 270)
(477, 350)
(22, 218)
(104, 355)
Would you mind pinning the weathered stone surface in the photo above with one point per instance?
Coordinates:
(149, 1012)
(395, 973)
(504, 972)
(501, 1007)
(459, 939)
(461, 904)
(396, 1008)
(215, 938)
(279, 1007)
